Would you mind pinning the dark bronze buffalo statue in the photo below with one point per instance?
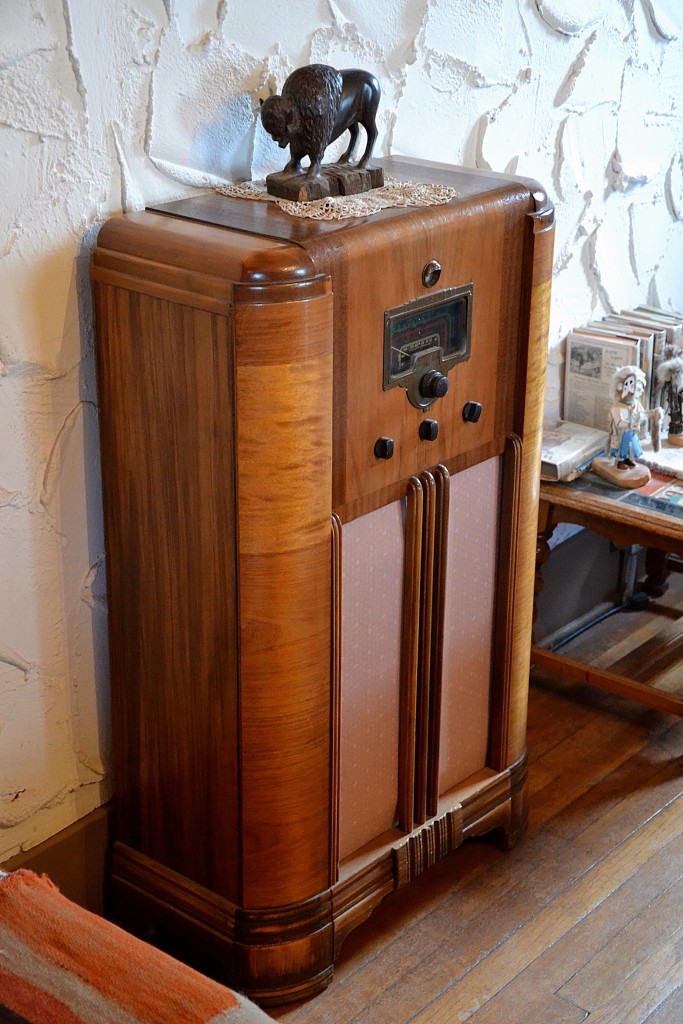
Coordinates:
(317, 105)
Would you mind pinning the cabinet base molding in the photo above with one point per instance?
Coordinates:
(257, 950)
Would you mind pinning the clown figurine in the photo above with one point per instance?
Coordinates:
(626, 416)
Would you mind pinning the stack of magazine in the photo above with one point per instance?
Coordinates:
(595, 351)
(638, 337)
(568, 448)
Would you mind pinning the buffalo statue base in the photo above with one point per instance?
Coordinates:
(332, 180)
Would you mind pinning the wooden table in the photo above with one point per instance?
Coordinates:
(625, 517)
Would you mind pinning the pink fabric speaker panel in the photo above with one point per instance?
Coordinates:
(372, 600)
(468, 624)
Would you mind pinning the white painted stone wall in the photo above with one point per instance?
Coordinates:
(109, 104)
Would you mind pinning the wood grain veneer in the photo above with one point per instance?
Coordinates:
(240, 362)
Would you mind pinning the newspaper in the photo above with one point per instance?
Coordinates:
(590, 364)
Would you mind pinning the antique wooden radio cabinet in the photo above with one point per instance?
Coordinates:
(320, 449)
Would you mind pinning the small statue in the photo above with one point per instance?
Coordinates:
(317, 105)
(669, 392)
(627, 417)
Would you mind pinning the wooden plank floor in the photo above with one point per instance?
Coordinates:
(583, 919)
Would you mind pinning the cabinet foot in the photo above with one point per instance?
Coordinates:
(509, 834)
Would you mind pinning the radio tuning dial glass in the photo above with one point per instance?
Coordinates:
(430, 333)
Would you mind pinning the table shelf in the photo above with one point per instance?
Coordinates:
(626, 518)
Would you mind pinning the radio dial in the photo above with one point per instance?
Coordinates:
(434, 384)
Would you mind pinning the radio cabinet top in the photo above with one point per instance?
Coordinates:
(427, 307)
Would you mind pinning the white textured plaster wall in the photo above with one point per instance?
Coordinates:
(109, 104)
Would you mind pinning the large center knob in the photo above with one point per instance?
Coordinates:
(434, 384)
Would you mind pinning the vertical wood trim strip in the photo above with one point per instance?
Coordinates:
(335, 658)
(502, 669)
(425, 647)
(409, 653)
(438, 611)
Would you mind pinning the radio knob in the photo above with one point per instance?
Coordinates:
(471, 412)
(429, 430)
(384, 447)
(434, 384)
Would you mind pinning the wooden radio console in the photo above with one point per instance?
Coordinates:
(320, 450)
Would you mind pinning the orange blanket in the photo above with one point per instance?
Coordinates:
(60, 964)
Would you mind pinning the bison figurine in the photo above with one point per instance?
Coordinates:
(317, 105)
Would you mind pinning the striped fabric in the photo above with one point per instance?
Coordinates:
(60, 964)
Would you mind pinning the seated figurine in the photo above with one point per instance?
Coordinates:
(627, 417)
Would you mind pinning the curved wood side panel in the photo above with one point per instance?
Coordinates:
(283, 386)
(529, 427)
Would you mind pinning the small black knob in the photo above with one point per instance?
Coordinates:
(471, 412)
(434, 384)
(429, 430)
(384, 447)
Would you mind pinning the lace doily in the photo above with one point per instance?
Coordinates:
(392, 193)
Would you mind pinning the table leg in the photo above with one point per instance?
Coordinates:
(657, 569)
(546, 530)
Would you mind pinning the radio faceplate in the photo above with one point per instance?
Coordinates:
(423, 339)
